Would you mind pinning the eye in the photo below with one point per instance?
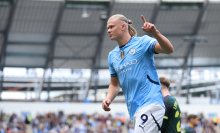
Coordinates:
(110, 27)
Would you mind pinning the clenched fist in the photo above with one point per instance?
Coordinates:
(105, 105)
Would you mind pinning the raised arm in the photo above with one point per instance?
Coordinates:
(113, 90)
(164, 45)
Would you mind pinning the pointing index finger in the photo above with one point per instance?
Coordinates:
(143, 18)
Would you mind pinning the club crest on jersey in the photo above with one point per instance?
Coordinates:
(122, 54)
(132, 51)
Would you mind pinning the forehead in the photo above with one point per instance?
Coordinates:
(113, 21)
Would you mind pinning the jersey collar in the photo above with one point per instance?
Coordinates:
(127, 42)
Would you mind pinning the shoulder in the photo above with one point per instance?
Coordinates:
(189, 130)
(141, 40)
(174, 103)
(172, 98)
(186, 129)
(148, 40)
(167, 101)
(166, 98)
(115, 50)
(144, 37)
(170, 101)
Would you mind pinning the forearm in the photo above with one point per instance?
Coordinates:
(112, 92)
(164, 42)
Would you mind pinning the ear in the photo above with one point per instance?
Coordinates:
(124, 26)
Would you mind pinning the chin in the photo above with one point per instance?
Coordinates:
(112, 38)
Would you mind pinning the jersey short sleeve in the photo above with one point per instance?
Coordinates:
(150, 44)
(111, 68)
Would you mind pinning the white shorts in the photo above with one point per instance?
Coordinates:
(148, 119)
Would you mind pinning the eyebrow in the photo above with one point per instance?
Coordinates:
(109, 25)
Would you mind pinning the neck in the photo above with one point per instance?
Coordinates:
(124, 39)
(191, 125)
(165, 92)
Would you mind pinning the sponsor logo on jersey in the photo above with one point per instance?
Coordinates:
(129, 63)
(125, 66)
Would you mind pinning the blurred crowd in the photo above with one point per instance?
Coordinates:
(83, 123)
(61, 123)
(205, 125)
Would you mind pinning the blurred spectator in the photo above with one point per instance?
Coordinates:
(208, 127)
(193, 121)
(83, 123)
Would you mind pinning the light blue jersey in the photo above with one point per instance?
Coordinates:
(136, 73)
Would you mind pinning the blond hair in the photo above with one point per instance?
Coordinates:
(121, 17)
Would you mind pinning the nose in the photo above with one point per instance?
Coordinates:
(108, 31)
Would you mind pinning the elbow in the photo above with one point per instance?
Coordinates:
(170, 50)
